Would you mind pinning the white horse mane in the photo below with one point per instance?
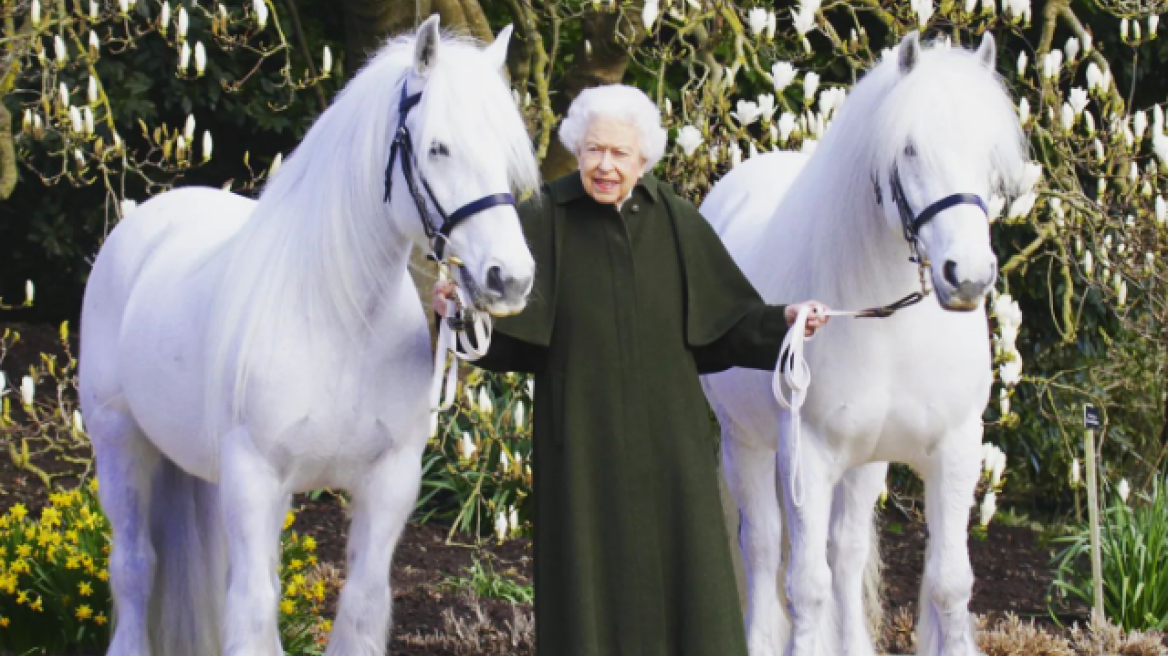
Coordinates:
(951, 108)
(321, 247)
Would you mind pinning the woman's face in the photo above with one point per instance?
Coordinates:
(610, 159)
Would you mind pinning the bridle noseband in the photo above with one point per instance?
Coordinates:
(911, 224)
(437, 234)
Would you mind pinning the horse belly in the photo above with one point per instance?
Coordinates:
(162, 352)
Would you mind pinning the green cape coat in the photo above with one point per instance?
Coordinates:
(628, 307)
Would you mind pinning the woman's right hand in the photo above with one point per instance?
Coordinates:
(443, 292)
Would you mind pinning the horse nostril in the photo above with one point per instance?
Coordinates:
(950, 273)
(495, 281)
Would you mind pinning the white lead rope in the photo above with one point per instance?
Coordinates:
(459, 346)
(791, 380)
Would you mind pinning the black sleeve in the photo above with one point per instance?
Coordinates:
(507, 353)
(752, 342)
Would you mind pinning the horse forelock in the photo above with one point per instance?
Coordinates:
(321, 245)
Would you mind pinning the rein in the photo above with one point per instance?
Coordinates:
(460, 314)
(792, 376)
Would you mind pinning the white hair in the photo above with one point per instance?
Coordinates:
(620, 102)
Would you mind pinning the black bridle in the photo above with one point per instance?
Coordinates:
(912, 224)
(437, 234)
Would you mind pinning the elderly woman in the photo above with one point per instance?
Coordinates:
(634, 297)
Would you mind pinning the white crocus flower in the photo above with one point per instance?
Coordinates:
(1078, 100)
(1023, 60)
(782, 74)
(970, 6)
(1096, 78)
(804, 18)
(1161, 209)
(189, 128)
(1153, 24)
(94, 44)
(1124, 489)
(649, 14)
(29, 292)
(433, 425)
(501, 526)
(467, 446)
(277, 161)
(1124, 28)
(994, 207)
(1076, 476)
(1072, 49)
(1004, 402)
(35, 13)
(87, 115)
(76, 124)
(513, 517)
(786, 126)
(1088, 264)
(183, 22)
(1021, 206)
(3, 382)
(1067, 117)
(504, 462)
(1101, 153)
(486, 406)
(1031, 174)
(772, 25)
(757, 17)
(1089, 122)
(91, 94)
(208, 145)
(326, 64)
(27, 390)
(1140, 124)
(78, 422)
(924, 11)
(184, 57)
(989, 506)
(747, 113)
(164, 18)
(519, 415)
(261, 12)
(1121, 294)
(810, 85)
(735, 154)
(1023, 111)
(1011, 370)
(200, 58)
(60, 50)
(689, 138)
(93, 10)
(766, 106)
(530, 388)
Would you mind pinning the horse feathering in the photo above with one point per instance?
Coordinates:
(323, 246)
(951, 108)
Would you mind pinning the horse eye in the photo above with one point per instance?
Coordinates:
(439, 150)
(910, 150)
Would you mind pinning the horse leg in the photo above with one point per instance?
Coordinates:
(126, 462)
(750, 475)
(254, 503)
(807, 500)
(849, 550)
(381, 506)
(951, 474)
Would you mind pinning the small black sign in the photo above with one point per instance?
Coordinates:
(1091, 417)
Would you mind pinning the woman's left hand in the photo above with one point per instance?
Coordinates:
(815, 320)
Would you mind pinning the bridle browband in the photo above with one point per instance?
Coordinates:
(437, 234)
(912, 224)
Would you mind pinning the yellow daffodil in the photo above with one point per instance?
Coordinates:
(309, 543)
(4, 622)
(100, 619)
(38, 605)
(289, 518)
(85, 588)
(288, 606)
(24, 550)
(326, 626)
(73, 562)
(84, 612)
(103, 575)
(22, 598)
(50, 516)
(296, 564)
(18, 511)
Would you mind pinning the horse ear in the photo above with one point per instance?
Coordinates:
(909, 52)
(987, 52)
(497, 51)
(426, 47)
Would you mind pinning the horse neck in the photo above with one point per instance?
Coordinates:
(841, 248)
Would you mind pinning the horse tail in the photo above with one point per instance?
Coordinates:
(190, 576)
(874, 583)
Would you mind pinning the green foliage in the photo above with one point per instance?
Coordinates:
(1134, 547)
(477, 465)
(484, 582)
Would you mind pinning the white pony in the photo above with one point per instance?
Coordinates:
(234, 352)
(923, 126)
